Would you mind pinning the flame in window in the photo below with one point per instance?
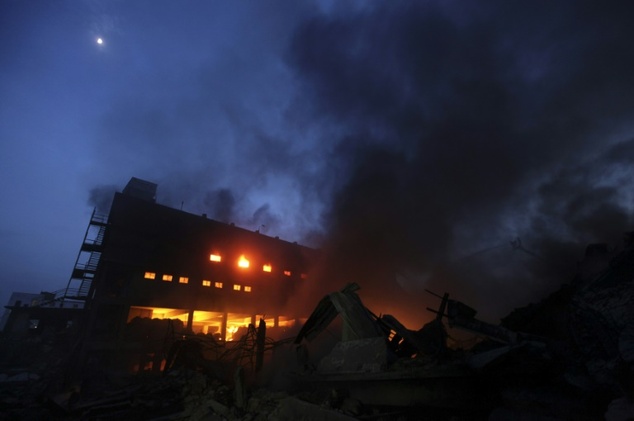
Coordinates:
(267, 268)
(215, 257)
(183, 280)
(243, 262)
(287, 272)
(218, 284)
(231, 330)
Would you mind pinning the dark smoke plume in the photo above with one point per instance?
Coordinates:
(221, 203)
(464, 127)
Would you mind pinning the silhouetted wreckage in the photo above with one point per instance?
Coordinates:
(380, 362)
(571, 356)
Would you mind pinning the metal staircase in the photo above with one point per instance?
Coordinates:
(83, 274)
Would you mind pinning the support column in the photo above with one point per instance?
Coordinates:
(190, 320)
(259, 345)
(223, 327)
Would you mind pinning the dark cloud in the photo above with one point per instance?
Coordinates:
(221, 204)
(264, 220)
(412, 140)
(461, 128)
(215, 118)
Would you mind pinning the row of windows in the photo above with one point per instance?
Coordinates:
(205, 282)
(244, 263)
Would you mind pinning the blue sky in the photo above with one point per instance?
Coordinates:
(422, 131)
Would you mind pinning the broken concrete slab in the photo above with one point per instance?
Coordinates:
(359, 322)
(359, 356)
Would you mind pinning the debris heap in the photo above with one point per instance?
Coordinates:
(570, 356)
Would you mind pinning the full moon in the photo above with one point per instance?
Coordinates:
(99, 41)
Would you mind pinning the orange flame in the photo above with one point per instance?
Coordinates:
(243, 262)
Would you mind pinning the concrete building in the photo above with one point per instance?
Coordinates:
(147, 274)
(29, 313)
(160, 262)
(146, 261)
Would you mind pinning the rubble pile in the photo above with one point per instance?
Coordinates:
(570, 356)
(589, 324)
(30, 368)
(179, 395)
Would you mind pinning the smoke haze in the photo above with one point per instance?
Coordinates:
(411, 141)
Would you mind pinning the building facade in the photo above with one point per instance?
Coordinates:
(152, 261)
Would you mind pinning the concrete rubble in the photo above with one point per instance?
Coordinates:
(570, 356)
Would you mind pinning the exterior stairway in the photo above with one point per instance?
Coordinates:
(86, 265)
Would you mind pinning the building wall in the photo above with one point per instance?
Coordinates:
(17, 299)
(145, 241)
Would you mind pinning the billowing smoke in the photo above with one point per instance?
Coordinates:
(463, 127)
(460, 146)
(264, 220)
(100, 197)
(221, 202)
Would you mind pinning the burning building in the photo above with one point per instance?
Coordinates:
(172, 292)
(146, 261)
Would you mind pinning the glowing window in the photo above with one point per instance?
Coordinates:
(243, 262)
(247, 289)
(237, 287)
(215, 258)
(206, 283)
(149, 275)
(218, 284)
(167, 278)
(183, 280)
(267, 268)
(287, 272)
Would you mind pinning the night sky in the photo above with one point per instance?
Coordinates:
(411, 141)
